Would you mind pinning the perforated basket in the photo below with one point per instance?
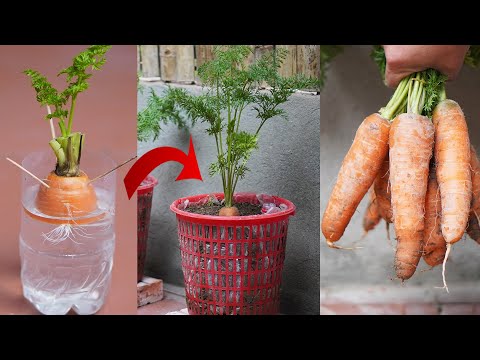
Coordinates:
(144, 208)
(232, 265)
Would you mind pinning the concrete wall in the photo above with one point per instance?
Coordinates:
(354, 89)
(286, 164)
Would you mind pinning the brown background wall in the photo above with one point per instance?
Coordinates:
(106, 112)
(178, 63)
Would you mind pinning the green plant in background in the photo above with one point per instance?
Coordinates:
(472, 58)
(68, 146)
(140, 87)
(378, 55)
(327, 53)
(158, 110)
(231, 86)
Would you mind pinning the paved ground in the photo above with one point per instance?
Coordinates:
(463, 299)
(400, 309)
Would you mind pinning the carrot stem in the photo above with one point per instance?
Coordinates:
(52, 130)
(416, 95)
(442, 94)
(63, 130)
(71, 148)
(58, 150)
(396, 101)
(70, 115)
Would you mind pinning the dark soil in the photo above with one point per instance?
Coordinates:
(245, 209)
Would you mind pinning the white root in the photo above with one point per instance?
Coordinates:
(388, 234)
(66, 231)
(449, 247)
(333, 246)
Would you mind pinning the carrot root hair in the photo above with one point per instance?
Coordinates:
(333, 246)
(388, 234)
(444, 266)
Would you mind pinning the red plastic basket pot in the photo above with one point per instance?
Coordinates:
(144, 207)
(232, 265)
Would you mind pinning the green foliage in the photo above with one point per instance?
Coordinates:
(378, 55)
(327, 53)
(158, 110)
(434, 89)
(472, 58)
(68, 146)
(76, 77)
(47, 94)
(232, 85)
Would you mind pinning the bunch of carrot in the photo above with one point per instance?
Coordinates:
(415, 157)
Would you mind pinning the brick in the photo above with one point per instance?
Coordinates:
(149, 290)
(421, 309)
(457, 309)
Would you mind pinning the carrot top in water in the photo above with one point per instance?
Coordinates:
(68, 146)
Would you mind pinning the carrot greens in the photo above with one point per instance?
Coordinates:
(68, 146)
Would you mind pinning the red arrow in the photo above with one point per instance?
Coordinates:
(156, 157)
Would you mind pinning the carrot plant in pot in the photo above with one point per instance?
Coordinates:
(67, 236)
(233, 244)
(158, 111)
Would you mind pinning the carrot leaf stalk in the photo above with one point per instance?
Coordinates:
(416, 95)
(398, 100)
(68, 146)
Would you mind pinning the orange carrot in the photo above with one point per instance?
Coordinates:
(372, 215)
(383, 193)
(434, 243)
(452, 157)
(473, 228)
(411, 144)
(67, 197)
(357, 173)
(229, 211)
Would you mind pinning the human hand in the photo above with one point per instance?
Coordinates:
(403, 60)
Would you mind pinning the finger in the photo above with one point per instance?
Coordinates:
(393, 78)
(449, 71)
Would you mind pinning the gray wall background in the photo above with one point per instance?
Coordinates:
(354, 89)
(286, 164)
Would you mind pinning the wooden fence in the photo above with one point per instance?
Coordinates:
(178, 63)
